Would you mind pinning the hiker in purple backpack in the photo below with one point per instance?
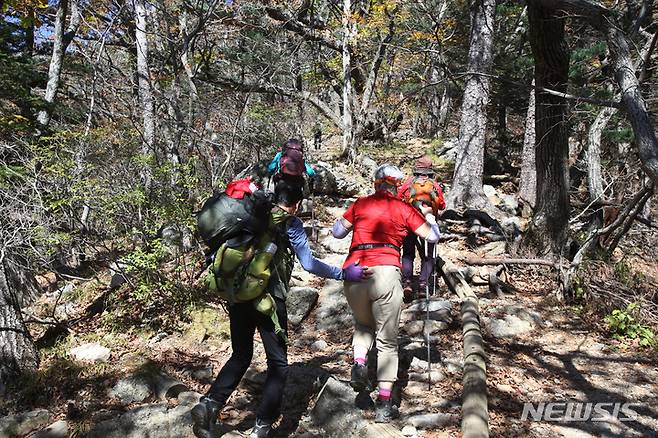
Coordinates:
(290, 162)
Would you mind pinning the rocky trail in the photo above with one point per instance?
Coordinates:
(123, 385)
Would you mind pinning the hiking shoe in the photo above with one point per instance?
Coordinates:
(205, 413)
(359, 377)
(260, 430)
(385, 411)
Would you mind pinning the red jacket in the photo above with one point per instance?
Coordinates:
(380, 218)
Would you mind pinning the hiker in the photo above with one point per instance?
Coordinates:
(420, 189)
(244, 319)
(317, 139)
(379, 223)
(289, 163)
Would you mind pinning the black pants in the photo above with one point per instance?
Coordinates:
(244, 320)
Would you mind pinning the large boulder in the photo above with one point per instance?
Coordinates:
(59, 429)
(324, 182)
(131, 389)
(447, 151)
(367, 165)
(328, 181)
(335, 412)
(90, 352)
(176, 237)
(22, 424)
(433, 421)
(333, 312)
(154, 420)
(423, 328)
(257, 170)
(439, 310)
(512, 320)
(299, 302)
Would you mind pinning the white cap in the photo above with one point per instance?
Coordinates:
(388, 172)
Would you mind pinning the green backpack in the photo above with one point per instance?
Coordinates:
(240, 273)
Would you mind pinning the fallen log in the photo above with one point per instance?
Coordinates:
(499, 286)
(507, 261)
(500, 178)
(475, 411)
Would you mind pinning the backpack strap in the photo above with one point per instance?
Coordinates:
(412, 190)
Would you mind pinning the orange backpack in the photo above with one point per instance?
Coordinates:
(421, 190)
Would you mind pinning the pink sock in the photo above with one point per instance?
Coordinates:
(360, 354)
(384, 394)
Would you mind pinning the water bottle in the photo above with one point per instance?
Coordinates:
(259, 265)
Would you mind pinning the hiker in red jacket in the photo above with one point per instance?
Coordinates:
(379, 224)
(419, 190)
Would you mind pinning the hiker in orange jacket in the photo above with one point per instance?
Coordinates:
(420, 189)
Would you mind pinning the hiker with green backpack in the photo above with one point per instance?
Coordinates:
(257, 296)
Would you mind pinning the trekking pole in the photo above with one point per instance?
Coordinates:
(426, 327)
(434, 255)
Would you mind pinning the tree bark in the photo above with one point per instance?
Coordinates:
(467, 190)
(593, 154)
(17, 351)
(549, 227)
(632, 101)
(144, 77)
(349, 29)
(528, 182)
(61, 41)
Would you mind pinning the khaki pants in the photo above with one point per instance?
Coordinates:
(376, 305)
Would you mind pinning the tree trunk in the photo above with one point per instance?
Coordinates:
(446, 103)
(528, 183)
(594, 177)
(144, 78)
(17, 351)
(551, 220)
(632, 101)
(435, 102)
(61, 41)
(349, 28)
(467, 190)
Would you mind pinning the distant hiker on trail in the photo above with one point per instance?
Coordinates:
(289, 163)
(420, 189)
(290, 240)
(317, 139)
(379, 223)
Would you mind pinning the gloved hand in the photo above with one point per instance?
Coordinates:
(425, 209)
(430, 218)
(355, 273)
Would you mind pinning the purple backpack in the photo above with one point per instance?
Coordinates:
(292, 159)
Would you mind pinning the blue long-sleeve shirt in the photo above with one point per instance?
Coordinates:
(299, 243)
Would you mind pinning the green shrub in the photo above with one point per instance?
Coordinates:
(624, 325)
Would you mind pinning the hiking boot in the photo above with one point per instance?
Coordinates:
(385, 411)
(260, 430)
(359, 377)
(205, 413)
